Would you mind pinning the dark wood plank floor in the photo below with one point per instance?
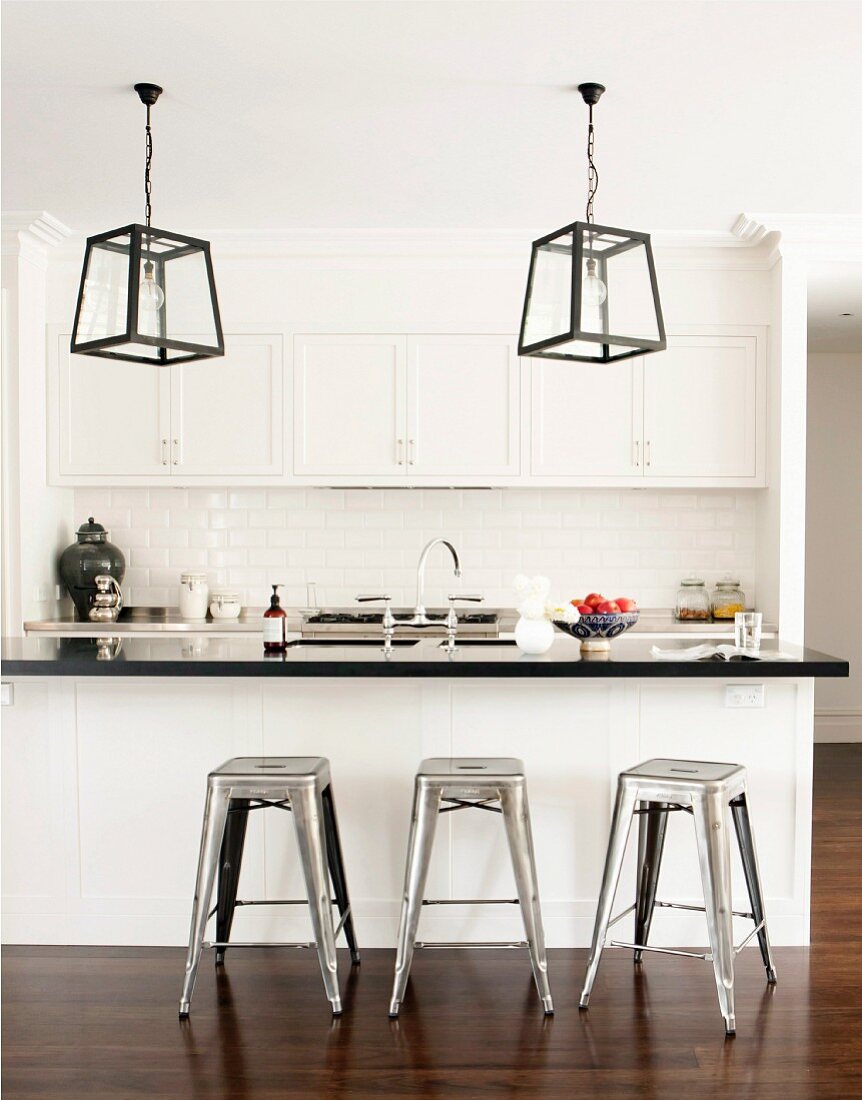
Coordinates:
(96, 1022)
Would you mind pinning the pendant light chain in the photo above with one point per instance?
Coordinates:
(148, 186)
(592, 171)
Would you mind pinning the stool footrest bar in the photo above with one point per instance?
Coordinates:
(461, 946)
(662, 950)
(696, 908)
(472, 901)
(749, 937)
(240, 943)
(620, 916)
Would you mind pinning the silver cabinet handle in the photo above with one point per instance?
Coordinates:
(176, 452)
(648, 453)
(399, 451)
(637, 452)
(411, 443)
(164, 452)
(467, 598)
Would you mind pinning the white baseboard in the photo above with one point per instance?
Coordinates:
(838, 724)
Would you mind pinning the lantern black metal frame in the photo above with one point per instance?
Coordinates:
(604, 340)
(135, 242)
(110, 347)
(596, 260)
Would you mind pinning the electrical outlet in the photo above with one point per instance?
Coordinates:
(745, 695)
(59, 592)
(41, 593)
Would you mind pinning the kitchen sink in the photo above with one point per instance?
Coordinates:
(463, 642)
(302, 643)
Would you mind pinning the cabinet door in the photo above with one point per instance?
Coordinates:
(114, 417)
(586, 418)
(462, 405)
(226, 413)
(350, 405)
(700, 408)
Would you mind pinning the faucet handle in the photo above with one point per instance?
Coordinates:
(373, 599)
(465, 598)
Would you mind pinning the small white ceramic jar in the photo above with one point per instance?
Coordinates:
(194, 595)
(225, 604)
(534, 636)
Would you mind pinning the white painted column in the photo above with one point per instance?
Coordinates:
(37, 520)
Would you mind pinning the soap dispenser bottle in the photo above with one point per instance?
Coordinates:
(274, 624)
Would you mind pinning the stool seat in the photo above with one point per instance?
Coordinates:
(251, 769)
(448, 784)
(686, 773)
(712, 793)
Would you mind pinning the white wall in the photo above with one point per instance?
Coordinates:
(631, 542)
(833, 587)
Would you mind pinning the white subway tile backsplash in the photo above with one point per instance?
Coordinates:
(633, 542)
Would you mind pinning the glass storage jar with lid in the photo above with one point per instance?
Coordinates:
(692, 600)
(727, 599)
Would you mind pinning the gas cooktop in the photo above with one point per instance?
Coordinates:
(347, 621)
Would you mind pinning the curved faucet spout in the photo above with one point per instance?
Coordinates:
(419, 612)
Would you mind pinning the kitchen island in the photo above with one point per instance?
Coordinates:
(106, 748)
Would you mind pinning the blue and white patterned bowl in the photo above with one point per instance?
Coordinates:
(595, 631)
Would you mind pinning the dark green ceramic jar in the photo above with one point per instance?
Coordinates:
(85, 559)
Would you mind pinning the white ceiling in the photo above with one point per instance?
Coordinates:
(429, 115)
(835, 289)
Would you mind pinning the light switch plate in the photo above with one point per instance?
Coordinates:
(7, 695)
(745, 695)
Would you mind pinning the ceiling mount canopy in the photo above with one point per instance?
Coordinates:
(592, 294)
(147, 295)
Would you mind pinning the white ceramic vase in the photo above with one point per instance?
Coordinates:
(534, 636)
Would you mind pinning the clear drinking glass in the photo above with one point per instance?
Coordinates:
(747, 627)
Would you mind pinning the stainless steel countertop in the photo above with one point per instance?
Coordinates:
(155, 621)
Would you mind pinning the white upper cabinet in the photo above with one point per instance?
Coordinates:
(226, 414)
(135, 423)
(114, 418)
(694, 414)
(585, 419)
(406, 407)
(701, 408)
(462, 406)
(350, 405)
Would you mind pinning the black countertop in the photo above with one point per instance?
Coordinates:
(198, 655)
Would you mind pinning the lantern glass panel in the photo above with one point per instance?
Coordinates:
(104, 301)
(622, 264)
(549, 300)
(188, 301)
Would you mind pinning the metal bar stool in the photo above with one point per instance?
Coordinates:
(481, 783)
(300, 785)
(706, 791)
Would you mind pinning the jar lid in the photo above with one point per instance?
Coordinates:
(727, 582)
(688, 582)
(192, 577)
(224, 594)
(92, 531)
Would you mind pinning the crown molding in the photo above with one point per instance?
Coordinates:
(36, 226)
(817, 236)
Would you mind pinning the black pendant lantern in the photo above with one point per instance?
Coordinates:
(147, 295)
(592, 294)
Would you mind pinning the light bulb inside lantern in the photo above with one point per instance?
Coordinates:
(151, 297)
(594, 291)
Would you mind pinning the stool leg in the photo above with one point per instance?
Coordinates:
(426, 805)
(651, 833)
(308, 817)
(713, 843)
(745, 837)
(336, 870)
(620, 826)
(215, 815)
(516, 815)
(230, 861)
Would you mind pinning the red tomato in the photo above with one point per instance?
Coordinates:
(609, 607)
(625, 604)
(594, 599)
(584, 608)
